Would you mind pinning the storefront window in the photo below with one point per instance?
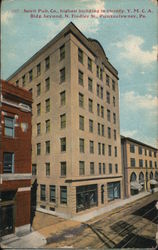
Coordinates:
(113, 190)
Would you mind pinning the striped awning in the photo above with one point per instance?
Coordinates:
(153, 182)
(136, 185)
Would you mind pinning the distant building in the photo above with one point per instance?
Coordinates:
(15, 159)
(140, 166)
(76, 151)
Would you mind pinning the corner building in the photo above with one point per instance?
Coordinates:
(15, 159)
(76, 136)
(140, 166)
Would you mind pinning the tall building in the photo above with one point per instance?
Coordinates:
(140, 166)
(76, 135)
(15, 159)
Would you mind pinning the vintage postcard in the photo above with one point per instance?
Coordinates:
(79, 124)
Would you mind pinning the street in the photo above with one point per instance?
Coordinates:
(133, 225)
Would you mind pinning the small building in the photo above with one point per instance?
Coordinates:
(15, 159)
(140, 166)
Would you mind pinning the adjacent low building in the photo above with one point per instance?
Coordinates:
(140, 166)
(15, 159)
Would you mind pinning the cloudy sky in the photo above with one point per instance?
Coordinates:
(129, 43)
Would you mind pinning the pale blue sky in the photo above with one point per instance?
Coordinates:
(130, 45)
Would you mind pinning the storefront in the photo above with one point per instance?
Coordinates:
(86, 197)
(114, 191)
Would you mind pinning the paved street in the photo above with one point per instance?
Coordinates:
(133, 225)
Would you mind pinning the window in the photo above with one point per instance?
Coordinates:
(113, 85)
(102, 111)
(107, 80)
(101, 92)
(101, 74)
(90, 84)
(17, 83)
(63, 121)
(8, 163)
(116, 168)
(80, 55)
(150, 153)
(91, 168)
(91, 147)
(108, 115)
(38, 109)
(114, 118)
(89, 64)
(81, 122)
(81, 100)
(99, 148)
(146, 163)
(114, 101)
(62, 98)
(62, 75)
(91, 126)
(62, 52)
(38, 69)
(81, 145)
(80, 77)
(30, 75)
(98, 90)
(155, 164)
(38, 148)
(132, 148)
(103, 168)
(90, 105)
(102, 194)
(47, 102)
(81, 168)
(43, 192)
(102, 130)
(47, 169)
(98, 109)
(108, 97)
(63, 144)
(109, 150)
(47, 147)
(63, 168)
(109, 132)
(9, 126)
(52, 191)
(115, 151)
(23, 80)
(30, 90)
(38, 128)
(103, 149)
(47, 63)
(47, 84)
(113, 190)
(34, 169)
(140, 163)
(115, 134)
(99, 167)
(110, 168)
(140, 150)
(98, 128)
(97, 71)
(47, 126)
(38, 89)
(155, 154)
(63, 195)
(150, 164)
(133, 163)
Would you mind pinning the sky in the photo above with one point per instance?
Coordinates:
(130, 43)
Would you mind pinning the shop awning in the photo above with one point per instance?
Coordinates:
(136, 185)
(153, 182)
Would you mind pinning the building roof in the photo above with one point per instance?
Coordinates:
(90, 44)
(12, 91)
(137, 142)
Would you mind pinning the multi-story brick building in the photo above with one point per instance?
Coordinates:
(15, 159)
(76, 134)
(140, 166)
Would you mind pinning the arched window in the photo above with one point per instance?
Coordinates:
(141, 177)
(151, 175)
(133, 177)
